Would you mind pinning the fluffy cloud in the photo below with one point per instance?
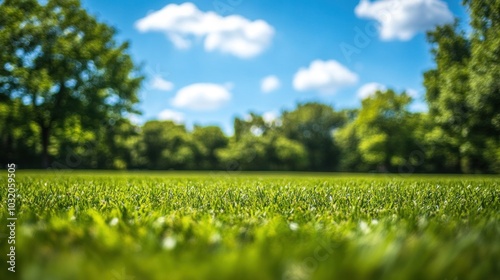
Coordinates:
(369, 89)
(324, 76)
(171, 115)
(161, 84)
(232, 34)
(202, 97)
(269, 83)
(401, 20)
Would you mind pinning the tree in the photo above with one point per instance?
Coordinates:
(113, 145)
(250, 148)
(350, 155)
(381, 135)
(290, 155)
(166, 145)
(18, 137)
(484, 71)
(447, 90)
(312, 124)
(64, 63)
(253, 124)
(260, 145)
(249, 152)
(209, 139)
(463, 91)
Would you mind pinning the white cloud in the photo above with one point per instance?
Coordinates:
(202, 97)
(232, 34)
(161, 84)
(369, 89)
(401, 20)
(324, 76)
(171, 115)
(269, 83)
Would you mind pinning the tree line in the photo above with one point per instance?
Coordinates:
(66, 87)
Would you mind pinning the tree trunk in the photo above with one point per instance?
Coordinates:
(45, 147)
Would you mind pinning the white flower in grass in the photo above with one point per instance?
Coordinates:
(159, 222)
(215, 238)
(293, 226)
(169, 243)
(363, 226)
(113, 222)
(374, 222)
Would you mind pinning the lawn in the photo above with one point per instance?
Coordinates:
(174, 225)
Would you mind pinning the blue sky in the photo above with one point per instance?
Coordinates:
(207, 62)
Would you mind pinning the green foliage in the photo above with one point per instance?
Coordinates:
(102, 225)
(248, 153)
(447, 90)
(290, 154)
(167, 145)
(464, 88)
(63, 63)
(261, 145)
(265, 152)
(381, 135)
(209, 140)
(311, 124)
(19, 138)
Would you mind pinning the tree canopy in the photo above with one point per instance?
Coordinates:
(60, 62)
(463, 91)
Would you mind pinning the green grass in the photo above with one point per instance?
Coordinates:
(111, 225)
